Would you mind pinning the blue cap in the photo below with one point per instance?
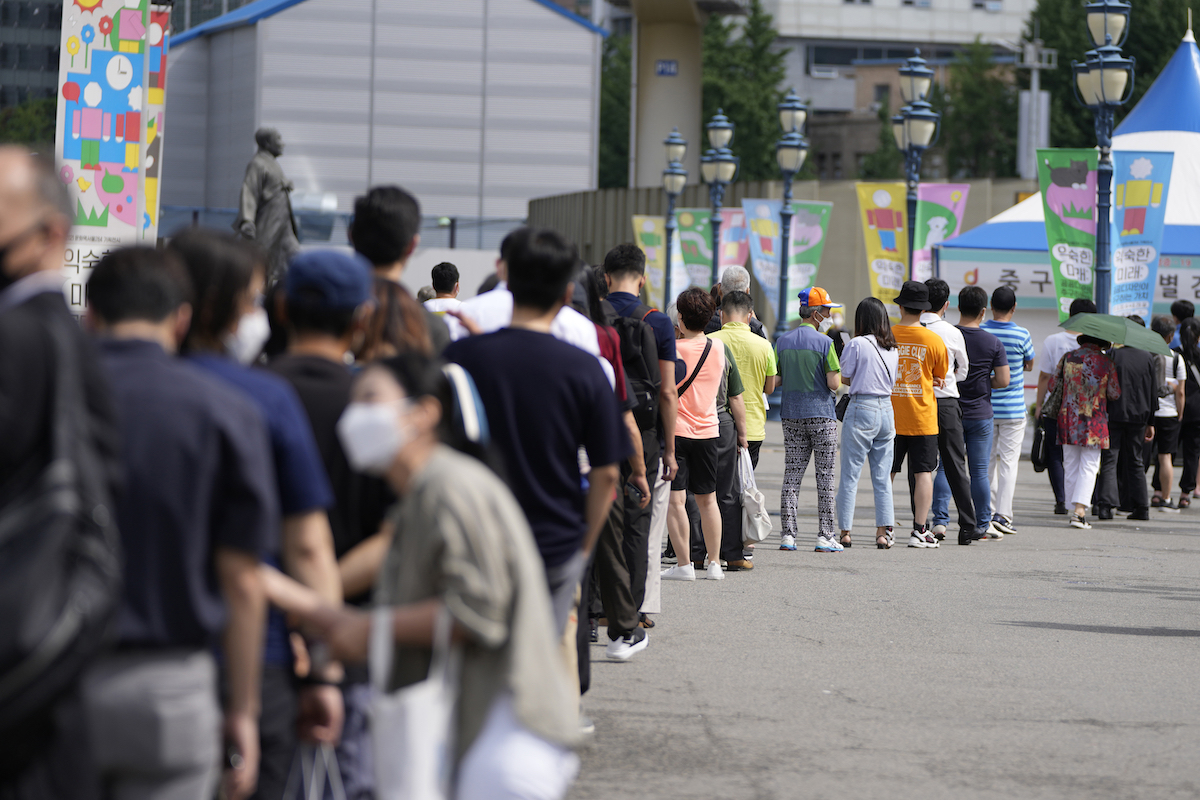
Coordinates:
(329, 279)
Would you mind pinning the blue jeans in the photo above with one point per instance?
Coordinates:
(978, 436)
(867, 434)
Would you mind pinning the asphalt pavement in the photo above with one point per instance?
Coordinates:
(1055, 663)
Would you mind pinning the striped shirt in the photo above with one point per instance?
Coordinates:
(1009, 402)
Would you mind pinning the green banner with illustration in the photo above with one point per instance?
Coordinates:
(1068, 182)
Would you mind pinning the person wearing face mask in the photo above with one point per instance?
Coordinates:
(227, 277)
(463, 546)
(755, 362)
(42, 748)
(811, 373)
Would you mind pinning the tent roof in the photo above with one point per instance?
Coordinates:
(261, 9)
(1166, 120)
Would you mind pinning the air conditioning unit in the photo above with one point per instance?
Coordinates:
(826, 73)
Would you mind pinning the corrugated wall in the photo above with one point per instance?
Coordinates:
(185, 148)
(232, 113)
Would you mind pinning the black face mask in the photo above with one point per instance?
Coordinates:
(5, 249)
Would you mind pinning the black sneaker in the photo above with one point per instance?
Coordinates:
(1061, 509)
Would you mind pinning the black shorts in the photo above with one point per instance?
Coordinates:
(922, 453)
(697, 459)
(1166, 435)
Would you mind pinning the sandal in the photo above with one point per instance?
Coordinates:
(1184, 501)
(845, 540)
(886, 541)
(646, 622)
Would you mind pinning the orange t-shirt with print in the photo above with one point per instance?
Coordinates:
(922, 358)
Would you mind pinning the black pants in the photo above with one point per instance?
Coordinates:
(636, 540)
(1126, 441)
(728, 499)
(583, 631)
(276, 731)
(1189, 446)
(952, 448)
(46, 756)
(1054, 458)
(612, 575)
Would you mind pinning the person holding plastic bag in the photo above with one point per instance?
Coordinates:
(869, 366)
(462, 560)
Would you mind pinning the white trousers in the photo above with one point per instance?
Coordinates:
(660, 501)
(1080, 466)
(509, 762)
(1002, 469)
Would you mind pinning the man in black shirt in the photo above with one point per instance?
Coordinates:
(325, 300)
(198, 503)
(43, 755)
(1122, 480)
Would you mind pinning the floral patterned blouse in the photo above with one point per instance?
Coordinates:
(1090, 382)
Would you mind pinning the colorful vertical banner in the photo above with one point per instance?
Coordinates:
(885, 234)
(806, 241)
(683, 274)
(695, 237)
(735, 238)
(101, 128)
(1068, 181)
(764, 231)
(940, 210)
(1140, 185)
(650, 234)
(158, 38)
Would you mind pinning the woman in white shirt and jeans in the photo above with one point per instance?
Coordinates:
(869, 365)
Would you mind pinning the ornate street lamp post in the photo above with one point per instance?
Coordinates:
(674, 178)
(718, 168)
(915, 129)
(1104, 82)
(790, 153)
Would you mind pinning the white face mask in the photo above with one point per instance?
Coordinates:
(825, 325)
(246, 343)
(371, 436)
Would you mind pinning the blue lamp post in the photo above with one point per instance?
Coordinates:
(915, 129)
(718, 168)
(790, 152)
(674, 178)
(1104, 82)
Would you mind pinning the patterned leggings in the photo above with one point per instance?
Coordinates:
(802, 438)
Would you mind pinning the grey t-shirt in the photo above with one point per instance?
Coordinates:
(460, 536)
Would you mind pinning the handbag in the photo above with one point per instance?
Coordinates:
(756, 519)
(413, 728)
(1053, 403)
(844, 402)
(1037, 455)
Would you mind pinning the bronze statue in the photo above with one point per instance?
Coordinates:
(265, 209)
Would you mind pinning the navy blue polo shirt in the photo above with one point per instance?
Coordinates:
(198, 475)
(300, 480)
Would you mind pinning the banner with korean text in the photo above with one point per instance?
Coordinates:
(940, 210)
(885, 234)
(1140, 184)
(1068, 182)
(650, 234)
(806, 241)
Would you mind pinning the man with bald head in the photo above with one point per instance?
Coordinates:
(41, 752)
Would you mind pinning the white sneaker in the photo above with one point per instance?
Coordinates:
(993, 532)
(622, 649)
(678, 573)
(787, 542)
(922, 539)
(715, 573)
(828, 545)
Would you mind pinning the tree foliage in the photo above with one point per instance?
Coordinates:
(979, 116)
(615, 82)
(886, 162)
(31, 123)
(743, 75)
(1155, 30)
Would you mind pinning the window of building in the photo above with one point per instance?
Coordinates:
(822, 166)
(900, 54)
(872, 53)
(835, 166)
(882, 92)
(834, 56)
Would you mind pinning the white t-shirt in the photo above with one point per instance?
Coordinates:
(870, 374)
(492, 311)
(1055, 347)
(1166, 405)
(439, 306)
(956, 350)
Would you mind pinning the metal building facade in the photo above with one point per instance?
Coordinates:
(476, 106)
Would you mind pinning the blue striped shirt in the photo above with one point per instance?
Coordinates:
(1009, 402)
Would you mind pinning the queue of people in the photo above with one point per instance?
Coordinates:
(299, 511)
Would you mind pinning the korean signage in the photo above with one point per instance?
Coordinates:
(1068, 181)
(885, 234)
(1140, 185)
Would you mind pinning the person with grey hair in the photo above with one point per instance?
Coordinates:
(733, 279)
(265, 205)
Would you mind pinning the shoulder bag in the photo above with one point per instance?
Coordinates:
(683, 387)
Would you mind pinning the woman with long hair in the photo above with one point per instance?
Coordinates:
(1189, 430)
(397, 325)
(462, 549)
(869, 366)
(1088, 380)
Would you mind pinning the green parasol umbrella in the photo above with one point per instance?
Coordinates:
(1118, 330)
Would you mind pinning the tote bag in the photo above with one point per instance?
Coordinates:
(413, 728)
(756, 520)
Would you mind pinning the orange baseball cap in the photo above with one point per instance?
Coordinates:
(816, 296)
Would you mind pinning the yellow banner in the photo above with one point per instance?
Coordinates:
(886, 235)
(650, 233)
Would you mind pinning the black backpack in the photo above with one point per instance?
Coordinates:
(639, 354)
(60, 567)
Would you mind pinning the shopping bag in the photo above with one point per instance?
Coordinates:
(756, 520)
(315, 768)
(413, 728)
(1038, 454)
